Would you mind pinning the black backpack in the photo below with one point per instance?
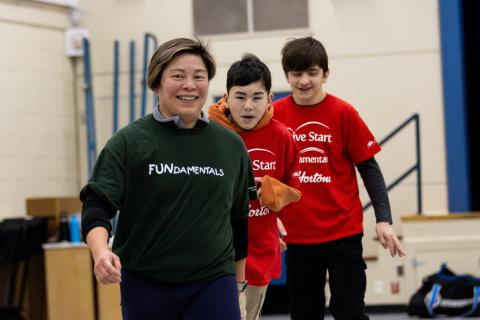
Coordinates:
(446, 294)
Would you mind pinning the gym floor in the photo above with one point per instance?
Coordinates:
(390, 316)
(379, 316)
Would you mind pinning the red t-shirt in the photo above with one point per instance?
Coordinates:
(273, 152)
(331, 138)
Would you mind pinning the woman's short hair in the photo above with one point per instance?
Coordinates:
(169, 50)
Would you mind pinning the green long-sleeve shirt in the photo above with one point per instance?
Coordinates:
(177, 191)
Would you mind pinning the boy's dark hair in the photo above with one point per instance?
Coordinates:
(248, 70)
(302, 54)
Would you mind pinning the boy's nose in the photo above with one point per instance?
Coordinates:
(304, 78)
(248, 105)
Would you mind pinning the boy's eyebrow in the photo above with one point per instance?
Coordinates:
(255, 93)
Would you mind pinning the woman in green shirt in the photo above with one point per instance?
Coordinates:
(181, 184)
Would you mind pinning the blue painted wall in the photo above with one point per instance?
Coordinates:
(454, 88)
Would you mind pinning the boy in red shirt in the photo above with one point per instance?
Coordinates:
(325, 228)
(247, 109)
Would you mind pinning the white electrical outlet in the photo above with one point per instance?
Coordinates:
(74, 41)
(378, 286)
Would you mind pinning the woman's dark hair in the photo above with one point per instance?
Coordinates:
(169, 50)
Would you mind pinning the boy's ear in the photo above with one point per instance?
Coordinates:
(325, 75)
(225, 99)
(270, 98)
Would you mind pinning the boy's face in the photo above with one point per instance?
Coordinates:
(307, 85)
(247, 104)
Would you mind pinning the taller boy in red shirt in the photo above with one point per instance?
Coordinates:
(325, 227)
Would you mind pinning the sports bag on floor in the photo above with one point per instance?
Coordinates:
(446, 294)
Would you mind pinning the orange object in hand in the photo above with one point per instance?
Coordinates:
(275, 195)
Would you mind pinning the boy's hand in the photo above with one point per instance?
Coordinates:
(283, 232)
(258, 185)
(389, 239)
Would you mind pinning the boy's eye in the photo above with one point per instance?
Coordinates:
(240, 98)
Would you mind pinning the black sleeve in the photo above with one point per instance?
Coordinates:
(240, 238)
(95, 213)
(377, 190)
(245, 191)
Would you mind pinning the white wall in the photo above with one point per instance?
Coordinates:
(384, 59)
(37, 123)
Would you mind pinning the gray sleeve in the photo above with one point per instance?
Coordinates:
(377, 190)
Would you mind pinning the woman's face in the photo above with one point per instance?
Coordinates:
(183, 88)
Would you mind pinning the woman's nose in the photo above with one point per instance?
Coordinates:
(189, 83)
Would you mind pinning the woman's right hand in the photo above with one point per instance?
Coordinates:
(107, 266)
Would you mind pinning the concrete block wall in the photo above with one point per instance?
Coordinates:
(384, 59)
(37, 120)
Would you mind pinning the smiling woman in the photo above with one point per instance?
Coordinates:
(180, 80)
(183, 89)
(181, 237)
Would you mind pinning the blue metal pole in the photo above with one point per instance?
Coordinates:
(155, 46)
(144, 74)
(146, 53)
(132, 80)
(115, 84)
(89, 108)
(419, 165)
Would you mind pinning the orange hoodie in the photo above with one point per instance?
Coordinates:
(274, 194)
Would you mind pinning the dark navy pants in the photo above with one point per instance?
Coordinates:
(144, 298)
(307, 267)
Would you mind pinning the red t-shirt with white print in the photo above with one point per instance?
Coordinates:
(331, 138)
(273, 152)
